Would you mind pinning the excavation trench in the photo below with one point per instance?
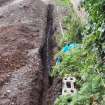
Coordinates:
(46, 54)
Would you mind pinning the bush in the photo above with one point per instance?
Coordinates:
(86, 63)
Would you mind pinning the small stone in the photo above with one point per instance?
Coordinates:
(12, 103)
(8, 91)
(6, 83)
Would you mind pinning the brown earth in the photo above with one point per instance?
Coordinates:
(54, 91)
(22, 29)
(23, 78)
(20, 65)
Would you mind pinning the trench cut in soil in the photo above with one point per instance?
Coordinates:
(46, 52)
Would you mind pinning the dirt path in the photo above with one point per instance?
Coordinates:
(22, 32)
(26, 29)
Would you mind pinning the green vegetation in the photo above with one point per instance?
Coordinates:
(87, 62)
(63, 2)
(96, 9)
(73, 26)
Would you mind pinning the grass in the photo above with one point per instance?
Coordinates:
(85, 62)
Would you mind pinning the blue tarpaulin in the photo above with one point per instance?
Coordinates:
(58, 60)
(66, 49)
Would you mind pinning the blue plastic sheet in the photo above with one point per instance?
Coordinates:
(65, 49)
(58, 60)
(68, 47)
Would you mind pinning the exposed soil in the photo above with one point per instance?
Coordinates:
(53, 92)
(22, 30)
(20, 64)
(24, 76)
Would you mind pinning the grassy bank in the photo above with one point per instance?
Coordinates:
(87, 62)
